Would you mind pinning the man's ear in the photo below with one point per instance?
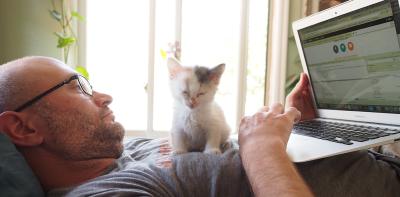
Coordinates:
(15, 126)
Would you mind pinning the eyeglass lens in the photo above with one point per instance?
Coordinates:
(86, 87)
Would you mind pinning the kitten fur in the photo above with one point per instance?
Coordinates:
(391, 149)
(198, 122)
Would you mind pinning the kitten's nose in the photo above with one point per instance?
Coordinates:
(193, 103)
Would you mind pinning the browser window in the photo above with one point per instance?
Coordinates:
(354, 60)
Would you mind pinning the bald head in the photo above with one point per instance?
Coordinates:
(22, 79)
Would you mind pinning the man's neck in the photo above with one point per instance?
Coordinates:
(55, 172)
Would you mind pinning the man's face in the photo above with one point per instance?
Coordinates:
(76, 126)
(81, 133)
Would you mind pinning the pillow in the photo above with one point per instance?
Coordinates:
(16, 177)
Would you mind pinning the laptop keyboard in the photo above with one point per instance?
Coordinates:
(341, 132)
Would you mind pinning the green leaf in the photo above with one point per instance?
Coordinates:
(82, 70)
(55, 15)
(65, 41)
(77, 16)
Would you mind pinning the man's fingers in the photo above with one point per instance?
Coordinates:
(293, 114)
(244, 119)
(277, 108)
(264, 109)
(302, 84)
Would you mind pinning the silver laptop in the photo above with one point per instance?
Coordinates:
(351, 54)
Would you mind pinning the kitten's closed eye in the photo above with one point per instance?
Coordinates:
(185, 93)
(200, 94)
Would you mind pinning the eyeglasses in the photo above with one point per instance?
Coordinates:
(83, 84)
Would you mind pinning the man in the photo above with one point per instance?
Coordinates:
(325, 4)
(263, 140)
(69, 138)
(59, 128)
(354, 174)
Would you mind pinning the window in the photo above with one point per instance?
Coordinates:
(125, 37)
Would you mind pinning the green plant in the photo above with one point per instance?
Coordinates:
(291, 82)
(66, 38)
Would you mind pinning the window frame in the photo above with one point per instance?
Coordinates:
(278, 29)
(276, 56)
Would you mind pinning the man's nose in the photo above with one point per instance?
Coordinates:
(101, 99)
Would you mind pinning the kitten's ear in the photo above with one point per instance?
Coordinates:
(216, 73)
(174, 67)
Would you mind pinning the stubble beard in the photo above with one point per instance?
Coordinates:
(75, 135)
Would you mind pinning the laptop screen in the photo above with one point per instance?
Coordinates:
(354, 59)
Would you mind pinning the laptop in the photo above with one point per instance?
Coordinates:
(351, 54)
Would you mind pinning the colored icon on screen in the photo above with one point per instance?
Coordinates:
(336, 49)
(350, 45)
(343, 47)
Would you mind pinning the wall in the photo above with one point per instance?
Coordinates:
(26, 28)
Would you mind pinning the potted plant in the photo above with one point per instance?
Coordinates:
(62, 12)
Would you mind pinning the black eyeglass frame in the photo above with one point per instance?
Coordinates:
(67, 81)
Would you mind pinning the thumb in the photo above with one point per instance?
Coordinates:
(302, 84)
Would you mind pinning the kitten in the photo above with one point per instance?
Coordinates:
(198, 121)
(391, 149)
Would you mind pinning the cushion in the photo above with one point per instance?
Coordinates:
(16, 177)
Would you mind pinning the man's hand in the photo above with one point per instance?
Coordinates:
(300, 98)
(262, 139)
(268, 125)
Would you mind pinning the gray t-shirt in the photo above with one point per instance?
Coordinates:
(147, 168)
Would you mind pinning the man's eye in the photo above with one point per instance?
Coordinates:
(78, 88)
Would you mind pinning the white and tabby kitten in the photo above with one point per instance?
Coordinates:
(198, 122)
(391, 149)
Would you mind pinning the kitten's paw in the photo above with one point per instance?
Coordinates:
(215, 151)
(391, 149)
(179, 152)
